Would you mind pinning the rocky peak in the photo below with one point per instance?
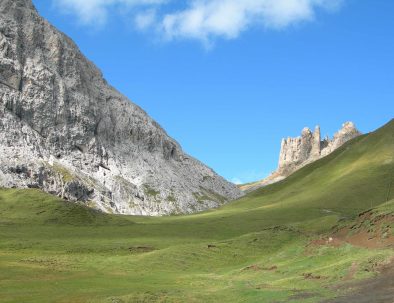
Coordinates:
(8, 5)
(346, 133)
(306, 132)
(65, 130)
(297, 152)
(316, 144)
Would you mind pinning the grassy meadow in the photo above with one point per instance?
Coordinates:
(257, 249)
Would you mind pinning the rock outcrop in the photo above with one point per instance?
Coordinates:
(297, 152)
(65, 130)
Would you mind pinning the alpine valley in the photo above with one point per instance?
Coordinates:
(99, 205)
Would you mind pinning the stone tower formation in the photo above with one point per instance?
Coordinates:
(297, 152)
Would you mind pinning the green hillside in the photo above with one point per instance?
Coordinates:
(256, 249)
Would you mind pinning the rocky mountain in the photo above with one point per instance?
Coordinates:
(65, 130)
(297, 152)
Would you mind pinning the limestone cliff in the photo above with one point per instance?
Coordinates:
(65, 130)
(297, 152)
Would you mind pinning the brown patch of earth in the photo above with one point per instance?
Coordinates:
(369, 231)
(271, 268)
(255, 267)
(330, 241)
(310, 276)
(366, 239)
(363, 239)
(376, 234)
(141, 249)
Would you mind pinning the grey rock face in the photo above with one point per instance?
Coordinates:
(65, 130)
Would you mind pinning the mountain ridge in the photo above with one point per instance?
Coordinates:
(65, 130)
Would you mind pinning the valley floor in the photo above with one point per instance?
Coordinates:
(313, 237)
(119, 259)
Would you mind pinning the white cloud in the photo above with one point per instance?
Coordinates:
(145, 19)
(206, 19)
(203, 20)
(95, 12)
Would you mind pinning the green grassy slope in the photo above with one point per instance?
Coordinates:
(252, 250)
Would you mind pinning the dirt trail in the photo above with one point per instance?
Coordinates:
(375, 290)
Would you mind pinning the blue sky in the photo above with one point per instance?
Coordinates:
(228, 79)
